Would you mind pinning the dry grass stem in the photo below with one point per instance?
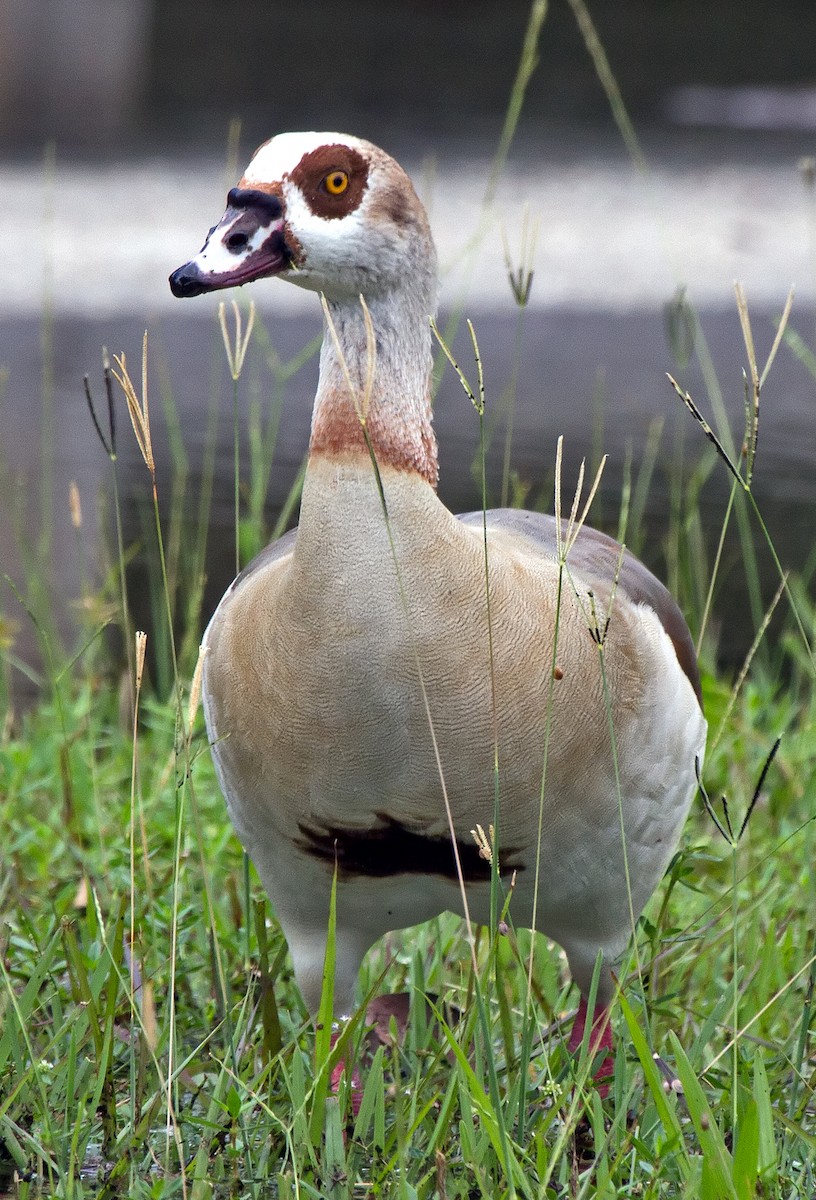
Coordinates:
(747, 334)
(141, 647)
(195, 688)
(138, 409)
(147, 1007)
(565, 541)
(754, 381)
(757, 378)
(484, 841)
(361, 403)
(742, 1032)
(80, 900)
(749, 447)
(236, 349)
(361, 407)
(478, 402)
(74, 504)
(780, 333)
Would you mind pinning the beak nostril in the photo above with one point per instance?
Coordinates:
(236, 242)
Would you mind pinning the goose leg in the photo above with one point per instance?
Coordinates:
(308, 954)
(599, 1039)
(342, 1066)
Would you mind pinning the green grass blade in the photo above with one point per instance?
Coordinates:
(325, 1019)
(718, 1165)
(767, 1155)
(746, 1152)
(666, 1110)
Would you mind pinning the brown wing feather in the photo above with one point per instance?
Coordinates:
(596, 558)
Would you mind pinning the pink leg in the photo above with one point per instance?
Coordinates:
(600, 1039)
(354, 1079)
(381, 1011)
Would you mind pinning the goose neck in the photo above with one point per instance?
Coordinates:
(375, 367)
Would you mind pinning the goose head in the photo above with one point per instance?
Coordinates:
(326, 211)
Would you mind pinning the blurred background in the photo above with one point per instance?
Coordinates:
(122, 123)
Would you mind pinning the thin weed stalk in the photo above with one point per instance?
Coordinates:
(629, 136)
(236, 353)
(138, 410)
(528, 61)
(566, 533)
(743, 486)
(361, 403)
(632, 514)
(109, 446)
(180, 563)
(47, 352)
(139, 413)
(220, 974)
(197, 573)
(62, 996)
(490, 849)
(236, 349)
(743, 473)
(263, 439)
(521, 284)
(36, 1072)
(603, 70)
(733, 839)
(141, 646)
(598, 629)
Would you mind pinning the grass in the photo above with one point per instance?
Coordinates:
(152, 1042)
(105, 1036)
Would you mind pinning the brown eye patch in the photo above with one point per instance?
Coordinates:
(319, 170)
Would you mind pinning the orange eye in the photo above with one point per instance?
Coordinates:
(336, 183)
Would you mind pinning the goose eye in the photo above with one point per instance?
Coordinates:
(336, 183)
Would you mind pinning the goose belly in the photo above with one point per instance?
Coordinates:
(360, 738)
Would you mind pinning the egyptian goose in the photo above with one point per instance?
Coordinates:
(319, 653)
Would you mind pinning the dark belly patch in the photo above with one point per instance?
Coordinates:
(391, 848)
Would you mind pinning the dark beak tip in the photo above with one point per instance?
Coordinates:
(186, 282)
